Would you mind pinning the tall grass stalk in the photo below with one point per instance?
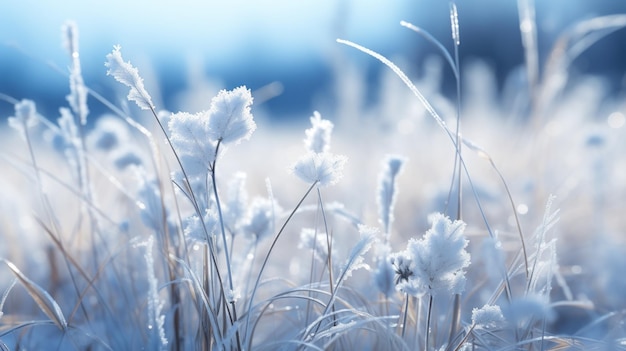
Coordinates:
(265, 261)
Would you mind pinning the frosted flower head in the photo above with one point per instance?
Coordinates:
(25, 117)
(230, 119)
(387, 189)
(153, 214)
(109, 133)
(440, 258)
(69, 37)
(125, 157)
(128, 75)
(237, 202)
(402, 265)
(194, 230)
(260, 218)
(531, 307)
(325, 168)
(488, 316)
(315, 241)
(356, 260)
(384, 274)
(318, 136)
(405, 276)
(77, 98)
(189, 136)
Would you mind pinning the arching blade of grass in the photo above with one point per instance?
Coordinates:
(41, 297)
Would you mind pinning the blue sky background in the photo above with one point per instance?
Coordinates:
(259, 42)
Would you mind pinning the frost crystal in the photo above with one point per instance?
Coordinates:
(384, 274)
(128, 75)
(440, 257)
(488, 316)
(318, 165)
(318, 136)
(78, 92)
(189, 136)
(25, 117)
(356, 259)
(109, 133)
(158, 340)
(317, 242)
(230, 119)
(387, 190)
(260, 219)
(235, 208)
(326, 168)
(405, 277)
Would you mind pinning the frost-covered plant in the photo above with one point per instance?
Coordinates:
(310, 239)
(439, 258)
(259, 221)
(230, 120)
(199, 268)
(388, 191)
(488, 316)
(323, 169)
(319, 165)
(25, 117)
(128, 75)
(318, 136)
(77, 98)
(433, 265)
(385, 272)
(156, 319)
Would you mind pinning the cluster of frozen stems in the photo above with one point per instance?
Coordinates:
(432, 265)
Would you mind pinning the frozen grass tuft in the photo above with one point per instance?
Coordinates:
(125, 235)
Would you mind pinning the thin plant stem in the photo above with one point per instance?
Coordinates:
(456, 317)
(406, 313)
(226, 250)
(330, 250)
(428, 321)
(267, 256)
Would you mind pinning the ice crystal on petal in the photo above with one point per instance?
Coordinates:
(230, 117)
(318, 136)
(325, 168)
(128, 75)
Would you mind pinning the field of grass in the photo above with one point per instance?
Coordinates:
(487, 220)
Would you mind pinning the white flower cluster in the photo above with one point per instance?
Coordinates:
(435, 263)
(196, 137)
(318, 165)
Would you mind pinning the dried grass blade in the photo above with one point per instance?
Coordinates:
(41, 297)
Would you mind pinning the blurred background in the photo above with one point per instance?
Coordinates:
(284, 50)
